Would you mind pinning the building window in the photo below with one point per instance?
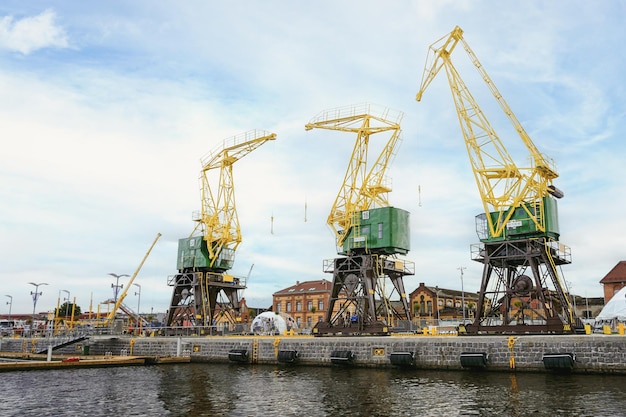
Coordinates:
(320, 305)
(288, 307)
(319, 319)
(299, 321)
(309, 321)
(449, 303)
(278, 307)
(309, 306)
(299, 306)
(457, 303)
(429, 307)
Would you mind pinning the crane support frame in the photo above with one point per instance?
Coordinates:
(521, 291)
(359, 302)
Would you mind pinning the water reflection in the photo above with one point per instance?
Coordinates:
(244, 390)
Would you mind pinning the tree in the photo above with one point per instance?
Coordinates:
(65, 310)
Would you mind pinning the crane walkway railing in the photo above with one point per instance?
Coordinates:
(135, 315)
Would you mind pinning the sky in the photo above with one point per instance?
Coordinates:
(107, 108)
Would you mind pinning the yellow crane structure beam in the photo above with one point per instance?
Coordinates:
(362, 188)
(111, 316)
(218, 221)
(503, 185)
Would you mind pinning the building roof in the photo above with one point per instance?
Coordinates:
(617, 274)
(318, 286)
(446, 292)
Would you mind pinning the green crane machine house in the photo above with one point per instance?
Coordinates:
(383, 230)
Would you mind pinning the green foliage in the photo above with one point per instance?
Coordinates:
(66, 310)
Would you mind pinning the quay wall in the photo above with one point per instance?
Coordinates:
(595, 353)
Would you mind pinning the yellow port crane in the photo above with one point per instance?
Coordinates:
(367, 230)
(206, 255)
(520, 208)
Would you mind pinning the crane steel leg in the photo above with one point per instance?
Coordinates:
(195, 300)
(357, 300)
(512, 302)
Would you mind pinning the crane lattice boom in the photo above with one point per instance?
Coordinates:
(362, 189)
(218, 221)
(502, 184)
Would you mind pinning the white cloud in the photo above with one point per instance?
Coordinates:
(101, 147)
(32, 33)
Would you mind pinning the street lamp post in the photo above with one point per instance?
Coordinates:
(10, 303)
(35, 295)
(138, 304)
(461, 268)
(117, 285)
(116, 289)
(437, 292)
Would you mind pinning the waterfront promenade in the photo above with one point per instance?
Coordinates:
(593, 353)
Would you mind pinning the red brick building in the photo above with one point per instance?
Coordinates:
(306, 302)
(614, 281)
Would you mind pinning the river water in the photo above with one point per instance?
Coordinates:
(264, 390)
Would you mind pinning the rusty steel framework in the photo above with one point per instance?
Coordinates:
(514, 296)
(197, 296)
(359, 300)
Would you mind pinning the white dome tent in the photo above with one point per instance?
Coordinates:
(614, 311)
(270, 323)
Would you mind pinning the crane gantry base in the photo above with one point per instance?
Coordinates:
(199, 296)
(520, 291)
(359, 303)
